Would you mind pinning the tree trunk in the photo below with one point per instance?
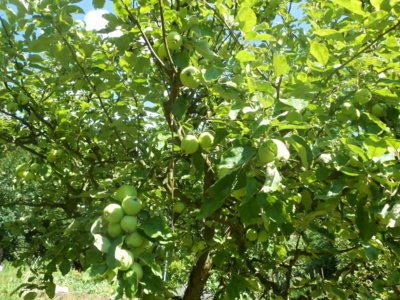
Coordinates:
(198, 277)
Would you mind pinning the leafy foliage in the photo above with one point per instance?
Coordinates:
(96, 112)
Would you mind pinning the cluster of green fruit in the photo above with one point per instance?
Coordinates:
(190, 76)
(54, 155)
(28, 172)
(22, 99)
(362, 97)
(190, 143)
(252, 235)
(122, 221)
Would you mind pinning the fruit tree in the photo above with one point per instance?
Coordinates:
(241, 148)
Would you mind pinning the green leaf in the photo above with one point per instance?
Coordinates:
(50, 289)
(150, 260)
(334, 191)
(65, 267)
(213, 73)
(249, 211)
(94, 271)
(30, 296)
(302, 148)
(98, 3)
(203, 49)
(375, 146)
(354, 6)
(365, 223)
(247, 19)
(281, 66)
(236, 286)
(320, 52)
(217, 194)
(371, 251)
(272, 179)
(102, 243)
(152, 282)
(245, 56)
(378, 285)
(236, 156)
(298, 104)
(155, 228)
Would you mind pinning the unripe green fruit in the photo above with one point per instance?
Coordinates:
(125, 259)
(195, 248)
(262, 236)
(174, 40)
(131, 205)
(134, 240)
(137, 269)
(189, 144)
(28, 176)
(362, 96)
(201, 245)
(162, 52)
(110, 275)
(114, 230)
(251, 234)
(190, 77)
(125, 191)
(34, 167)
(129, 223)
(379, 110)
(113, 213)
(12, 107)
(267, 152)
(206, 140)
(22, 99)
(239, 194)
(179, 207)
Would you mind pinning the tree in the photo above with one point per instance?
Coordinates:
(98, 112)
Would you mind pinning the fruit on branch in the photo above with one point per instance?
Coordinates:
(129, 223)
(131, 205)
(379, 110)
(262, 236)
(239, 194)
(113, 213)
(136, 268)
(179, 207)
(267, 152)
(362, 96)
(189, 144)
(134, 240)
(54, 155)
(125, 259)
(12, 107)
(206, 140)
(34, 167)
(124, 191)
(201, 245)
(251, 234)
(28, 176)
(190, 77)
(174, 40)
(114, 229)
(22, 99)
(162, 52)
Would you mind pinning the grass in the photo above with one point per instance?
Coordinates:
(78, 289)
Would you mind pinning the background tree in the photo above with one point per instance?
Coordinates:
(305, 120)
